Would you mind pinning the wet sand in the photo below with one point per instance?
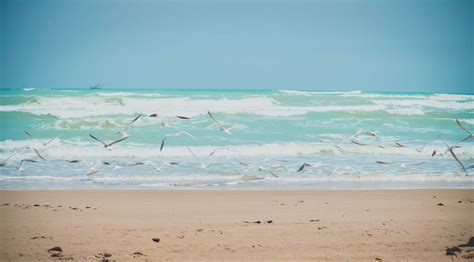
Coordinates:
(322, 225)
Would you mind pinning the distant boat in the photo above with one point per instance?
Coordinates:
(95, 87)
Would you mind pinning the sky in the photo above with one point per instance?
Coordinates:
(412, 45)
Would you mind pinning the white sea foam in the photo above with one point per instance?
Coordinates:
(36, 178)
(91, 106)
(405, 111)
(453, 97)
(312, 93)
(440, 97)
(428, 103)
(204, 180)
(90, 150)
(469, 121)
(125, 94)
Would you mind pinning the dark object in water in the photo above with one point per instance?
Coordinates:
(269, 221)
(96, 87)
(180, 117)
(358, 143)
(157, 240)
(440, 204)
(257, 222)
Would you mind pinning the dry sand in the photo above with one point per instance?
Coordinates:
(388, 225)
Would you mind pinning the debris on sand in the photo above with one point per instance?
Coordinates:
(470, 243)
(468, 256)
(42, 237)
(55, 251)
(451, 251)
(157, 240)
(440, 204)
(104, 257)
(138, 254)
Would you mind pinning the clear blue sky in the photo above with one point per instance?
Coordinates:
(375, 45)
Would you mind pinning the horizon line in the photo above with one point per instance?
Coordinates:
(238, 89)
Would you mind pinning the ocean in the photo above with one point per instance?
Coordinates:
(356, 140)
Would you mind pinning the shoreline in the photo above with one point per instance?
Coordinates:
(327, 225)
(279, 186)
(232, 189)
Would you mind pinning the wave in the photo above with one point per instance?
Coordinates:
(70, 107)
(311, 93)
(405, 111)
(409, 97)
(427, 103)
(92, 106)
(469, 121)
(125, 94)
(453, 97)
(213, 180)
(73, 149)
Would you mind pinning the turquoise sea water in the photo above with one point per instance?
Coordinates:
(272, 134)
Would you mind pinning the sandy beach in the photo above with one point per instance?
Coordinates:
(388, 225)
